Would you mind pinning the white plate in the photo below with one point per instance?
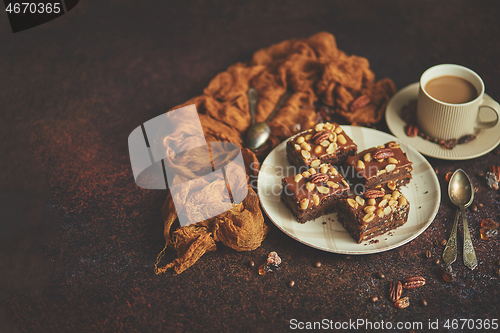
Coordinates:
(486, 140)
(423, 193)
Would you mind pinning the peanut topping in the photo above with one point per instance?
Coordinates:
(298, 178)
(367, 157)
(392, 160)
(360, 200)
(328, 126)
(312, 171)
(315, 163)
(310, 186)
(352, 203)
(300, 139)
(395, 195)
(391, 185)
(332, 184)
(297, 147)
(316, 199)
(306, 174)
(387, 210)
(305, 146)
(306, 154)
(390, 167)
(380, 213)
(317, 150)
(368, 217)
(304, 203)
(325, 143)
(341, 139)
(323, 189)
(308, 137)
(324, 169)
(333, 137)
(369, 209)
(319, 127)
(361, 165)
(334, 171)
(331, 148)
(402, 201)
(338, 130)
(372, 202)
(383, 203)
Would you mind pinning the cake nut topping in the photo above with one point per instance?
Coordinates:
(387, 210)
(316, 199)
(372, 194)
(368, 217)
(298, 178)
(300, 139)
(310, 186)
(380, 172)
(391, 185)
(319, 178)
(367, 157)
(360, 200)
(387, 196)
(325, 143)
(392, 160)
(304, 203)
(306, 174)
(396, 195)
(392, 145)
(297, 147)
(305, 146)
(341, 139)
(380, 212)
(328, 126)
(383, 203)
(383, 153)
(315, 163)
(319, 127)
(308, 137)
(323, 189)
(312, 171)
(324, 169)
(334, 171)
(402, 201)
(333, 137)
(369, 209)
(317, 150)
(338, 130)
(372, 202)
(352, 203)
(361, 165)
(332, 184)
(305, 154)
(331, 148)
(320, 136)
(390, 167)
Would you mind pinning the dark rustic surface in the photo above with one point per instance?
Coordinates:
(78, 239)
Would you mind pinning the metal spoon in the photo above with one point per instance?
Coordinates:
(461, 194)
(258, 133)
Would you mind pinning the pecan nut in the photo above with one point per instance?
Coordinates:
(411, 130)
(496, 171)
(413, 282)
(321, 136)
(373, 194)
(395, 290)
(383, 153)
(319, 178)
(360, 102)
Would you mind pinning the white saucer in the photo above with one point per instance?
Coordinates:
(486, 140)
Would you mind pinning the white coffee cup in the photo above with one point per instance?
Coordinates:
(446, 121)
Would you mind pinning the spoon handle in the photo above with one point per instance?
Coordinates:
(279, 105)
(253, 99)
(470, 259)
(450, 250)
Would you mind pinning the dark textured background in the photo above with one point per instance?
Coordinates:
(78, 239)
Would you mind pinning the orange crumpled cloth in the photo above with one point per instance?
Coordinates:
(313, 69)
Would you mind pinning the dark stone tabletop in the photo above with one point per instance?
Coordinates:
(78, 238)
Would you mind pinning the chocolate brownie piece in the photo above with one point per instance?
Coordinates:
(325, 143)
(373, 214)
(314, 192)
(378, 166)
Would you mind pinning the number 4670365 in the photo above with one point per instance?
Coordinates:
(33, 8)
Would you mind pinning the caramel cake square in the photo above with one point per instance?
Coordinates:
(314, 192)
(378, 166)
(325, 143)
(374, 213)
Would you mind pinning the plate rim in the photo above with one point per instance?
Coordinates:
(391, 115)
(366, 251)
